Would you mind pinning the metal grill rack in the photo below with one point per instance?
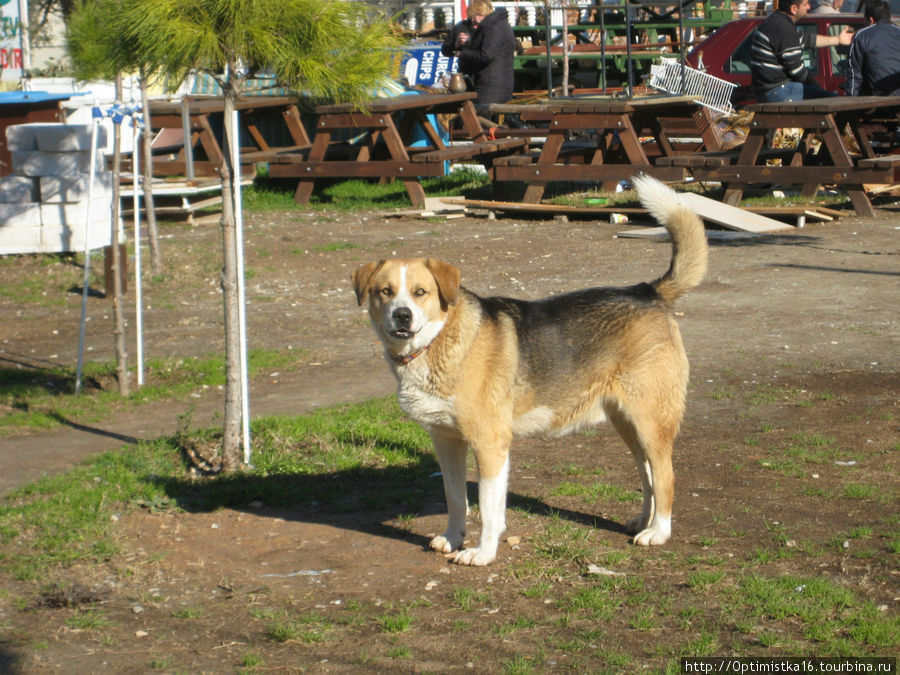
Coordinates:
(670, 76)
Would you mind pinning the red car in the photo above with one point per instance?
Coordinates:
(726, 52)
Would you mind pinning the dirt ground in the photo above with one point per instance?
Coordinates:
(790, 335)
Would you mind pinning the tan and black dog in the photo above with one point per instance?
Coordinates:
(477, 371)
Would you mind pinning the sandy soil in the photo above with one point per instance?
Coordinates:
(792, 333)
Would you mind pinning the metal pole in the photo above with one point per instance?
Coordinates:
(242, 298)
(547, 43)
(138, 291)
(603, 48)
(95, 116)
(629, 69)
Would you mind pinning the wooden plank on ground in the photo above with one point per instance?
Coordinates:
(549, 209)
(661, 234)
(732, 217)
(736, 218)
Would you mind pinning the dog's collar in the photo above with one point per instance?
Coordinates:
(404, 359)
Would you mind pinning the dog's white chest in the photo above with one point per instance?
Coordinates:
(418, 400)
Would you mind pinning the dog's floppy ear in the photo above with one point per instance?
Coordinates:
(447, 278)
(363, 277)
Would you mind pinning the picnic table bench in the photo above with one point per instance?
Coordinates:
(835, 163)
(187, 125)
(397, 139)
(607, 143)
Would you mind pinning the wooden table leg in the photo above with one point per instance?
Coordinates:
(752, 145)
(840, 157)
(397, 150)
(549, 155)
(295, 126)
(316, 154)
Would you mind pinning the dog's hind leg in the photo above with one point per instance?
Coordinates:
(451, 453)
(651, 446)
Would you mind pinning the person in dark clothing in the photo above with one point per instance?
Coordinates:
(485, 45)
(776, 64)
(873, 66)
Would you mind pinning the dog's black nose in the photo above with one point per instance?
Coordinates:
(402, 317)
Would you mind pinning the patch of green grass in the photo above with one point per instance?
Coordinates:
(188, 613)
(358, 195)
(395, 621)
(91, 619)
(822, 609)
(281, 631)
(859, 491)
(595, 492)
(45, 399)
(368, 451)
(467, 599)
(252, 660)
(336, 246)
(704, 579)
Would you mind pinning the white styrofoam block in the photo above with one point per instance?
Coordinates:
(20, 215)
(40, 163)
(59, 238)
(18, 190)
(75, 188)
(21, 137)
(20, 228)
(67, 137)
(20, 240)
(71, 213)
(53, 137)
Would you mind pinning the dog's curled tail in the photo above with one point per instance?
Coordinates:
(689, 249)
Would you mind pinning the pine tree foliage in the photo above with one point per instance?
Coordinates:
(336, 50)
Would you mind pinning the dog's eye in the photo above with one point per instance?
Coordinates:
(420, 292)
(386, 291)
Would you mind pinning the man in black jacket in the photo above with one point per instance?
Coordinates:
(485, 45)
(873, 66)
(776, 64)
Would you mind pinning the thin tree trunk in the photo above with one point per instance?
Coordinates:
(117, 262)
(231, 445)
(156, 262)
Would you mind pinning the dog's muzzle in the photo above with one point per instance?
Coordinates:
(401, 321)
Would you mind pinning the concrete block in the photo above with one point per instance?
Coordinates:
(20, 215)
(21, 137)
(39, 163)
(52, 137)
(75, 188)
(67, 137)
(64, 238)
(18, 190)
(20, 228)
(72, 213)
(15, 240)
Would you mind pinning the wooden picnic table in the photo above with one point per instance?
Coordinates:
(835, 162)
(599, 139)
(192, 118)
(384, 149)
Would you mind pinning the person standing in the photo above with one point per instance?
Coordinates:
(485, 45)
(776, 63)
(873, 65)
(828, 7)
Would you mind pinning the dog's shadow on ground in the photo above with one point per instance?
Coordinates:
(376, 501)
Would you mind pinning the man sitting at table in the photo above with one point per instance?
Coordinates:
(776, 65)
(873, 66)
(485, 44)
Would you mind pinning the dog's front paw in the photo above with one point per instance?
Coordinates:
(445, 544)
(652, 536)
(477, 557)
(635, 525)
